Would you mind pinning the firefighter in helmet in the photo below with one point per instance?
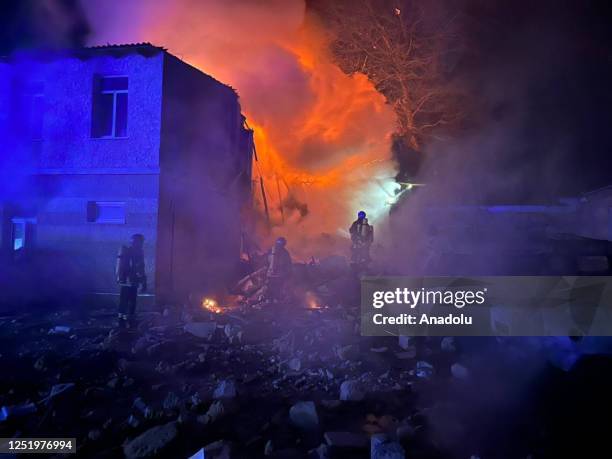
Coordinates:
(279, 270)
(130, 272)
(362, 236)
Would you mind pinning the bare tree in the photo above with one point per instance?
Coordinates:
(408, 50)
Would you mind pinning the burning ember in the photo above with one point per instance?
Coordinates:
(211, 305)
(312, 301)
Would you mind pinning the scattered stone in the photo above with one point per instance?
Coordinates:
(348, 352)
(218, 450)
(112, 339)
(141, 344)
(58, 390)
(381, 447)
(346, 440)
(133, 421)
(163, 367)
(40, 364)
(424, 369)
(448, 344)
(304, 415)
(204, 330)
(141, 406)
(269, 448)
(225, 389)
(459, 371)
(351, 390)
(94, 434)
(195, 400)
(285, 345)
(60, 330)
(17, 411)
(233, 333)
(216, 410)
(294, 364)
(405, 342)
(151, 442)
(379, 350)
(171, 401)
(321, 452)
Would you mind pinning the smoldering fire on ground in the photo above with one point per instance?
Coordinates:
(284, 380)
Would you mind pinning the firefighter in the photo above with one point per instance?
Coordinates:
(130, 272)
(279, 270)
(362, 236)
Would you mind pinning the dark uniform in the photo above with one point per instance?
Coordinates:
(279, 270)
(130, 271)
(362, 236)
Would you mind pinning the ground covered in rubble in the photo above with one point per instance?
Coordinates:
(279, 381)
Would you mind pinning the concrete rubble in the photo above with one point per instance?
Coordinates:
(283, 380)
(304, 415)
(351, 390)
(225, 389)
(151, 442)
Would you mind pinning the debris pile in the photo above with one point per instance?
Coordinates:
(254, 380)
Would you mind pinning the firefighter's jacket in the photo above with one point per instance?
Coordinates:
(279, 262)
(362, 233)
(130, 268)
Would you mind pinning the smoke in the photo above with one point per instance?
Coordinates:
(322, 137)
(41, 23)
(533, 79)
(531, 140)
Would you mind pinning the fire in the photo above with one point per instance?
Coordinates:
(322, 137)
(312, 301)
(211, 305)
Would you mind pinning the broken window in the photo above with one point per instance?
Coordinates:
(109, 118)
(106, 212)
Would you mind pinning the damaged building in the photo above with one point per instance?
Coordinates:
(117, 140)
(572, 236)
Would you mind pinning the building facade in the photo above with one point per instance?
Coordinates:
(101, 143)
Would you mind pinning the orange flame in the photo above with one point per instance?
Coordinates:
(312, 301)
(322, 137)
(211, 305)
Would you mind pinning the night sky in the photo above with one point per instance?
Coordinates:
(546, 66)
(543, 68)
